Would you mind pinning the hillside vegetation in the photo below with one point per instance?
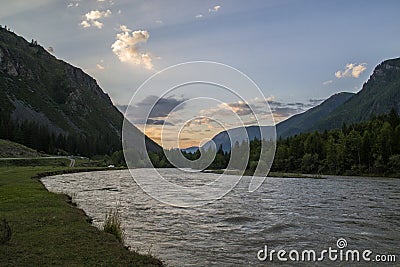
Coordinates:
(10, 149)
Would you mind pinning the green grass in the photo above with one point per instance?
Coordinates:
(48, 230)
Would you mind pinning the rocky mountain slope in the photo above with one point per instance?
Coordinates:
(52, 106)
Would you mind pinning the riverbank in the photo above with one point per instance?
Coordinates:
(47, 229)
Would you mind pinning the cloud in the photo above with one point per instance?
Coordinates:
(279, 110)
(100, 67)
(240, 107)
(98, 24)
(284, 111)
(85, 24)
(92, 18)
(327, 82)
(199, 16)
(159, 21)
(199, 121)
(126, 47)
(315, 101)
(214, 9)
(162, 107)
(351, 70)
(73, 4)
(157, 122)
(160, 111)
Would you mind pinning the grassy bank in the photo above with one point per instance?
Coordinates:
(48, 230)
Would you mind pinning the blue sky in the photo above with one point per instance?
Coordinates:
(296, 51)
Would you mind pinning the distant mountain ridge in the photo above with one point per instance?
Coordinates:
(42, 97)
(305, 121)
(227, 139)
(378, 96)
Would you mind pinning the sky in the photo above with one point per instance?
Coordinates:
(297, 52)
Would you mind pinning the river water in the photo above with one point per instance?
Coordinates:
(284, 213)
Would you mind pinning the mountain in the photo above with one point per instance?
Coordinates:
(238, 135)
(296, 124)
(378, 96)
(52, 106)
(305, 121)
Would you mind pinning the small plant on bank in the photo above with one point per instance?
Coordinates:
(5, 232)
(113, 226)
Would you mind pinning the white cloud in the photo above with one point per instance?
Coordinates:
(126, 47)
(96, 14)
(199, 16)
(100, 67)
(351, 70)
(85, 24)
(327, 82)
(97, 24)
(92, 18)
(72, 4)
(159, 21)
(214, 9)
(124, 28)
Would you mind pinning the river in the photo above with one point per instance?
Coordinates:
(284, 213)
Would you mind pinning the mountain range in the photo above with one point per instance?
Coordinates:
(52, 106)
(379, 95)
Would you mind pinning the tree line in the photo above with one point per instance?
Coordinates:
(370, 147)
(45, 140)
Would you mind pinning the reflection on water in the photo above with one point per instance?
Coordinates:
(283, 214)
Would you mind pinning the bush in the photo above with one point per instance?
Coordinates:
(5, 232)
(112, 225)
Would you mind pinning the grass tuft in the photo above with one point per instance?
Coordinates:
(112, 225)
(5, 232)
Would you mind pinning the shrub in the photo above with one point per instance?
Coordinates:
(5, 232)
(112, 225)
